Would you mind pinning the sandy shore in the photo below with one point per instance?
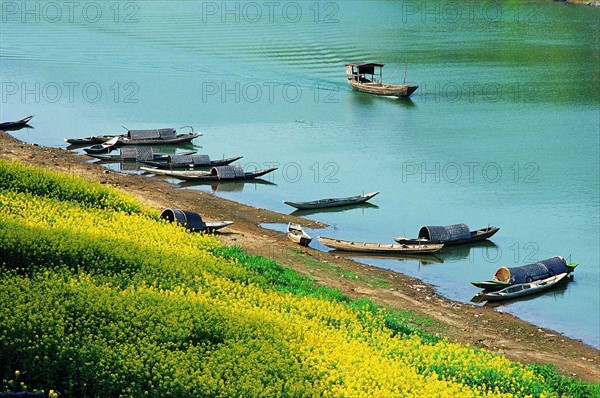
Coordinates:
(479, 326)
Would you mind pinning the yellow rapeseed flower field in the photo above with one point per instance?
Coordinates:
(97, 301)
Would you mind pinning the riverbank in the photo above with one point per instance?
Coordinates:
(478, 326)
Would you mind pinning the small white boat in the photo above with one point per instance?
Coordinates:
(297, 235)
(104, 147)
(331, 202)
(522, 289)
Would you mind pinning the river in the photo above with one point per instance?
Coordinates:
(503, 130)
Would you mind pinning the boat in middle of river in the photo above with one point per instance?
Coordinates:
(356, 74)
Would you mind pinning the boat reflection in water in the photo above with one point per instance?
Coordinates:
(226, 186)
(423, 259)
(490, 252)
(339, 209)
(120, 166)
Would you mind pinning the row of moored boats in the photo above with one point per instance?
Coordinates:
(135, 145)
(507, 283)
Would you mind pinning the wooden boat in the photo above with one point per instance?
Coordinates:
(180, 161)
(137, 154)
(105, 147)
(92, 140)
(212, 226)
(139, 137)
(449, 235)
(505, 277)
(178, 139)
(491, 286)
(220, 173)
(332, 202)
(365, 247)
(357, 73)
(522, 289)
(297, 235)
(16, 125)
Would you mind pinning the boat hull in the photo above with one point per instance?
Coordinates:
(476, 236)
(156, 157)
(16, 125)
(333, 202)
(524, 289)
(212, 226)
(490, 286)
(213, 163)
(180, 139)
(92, 140)
(204, 175)
(388, 90)
(296, 234)
(124, 140)
(367, 247)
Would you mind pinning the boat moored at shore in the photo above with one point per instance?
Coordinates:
(456, 234)
(331, 202)
(505, 277)
(183, 161)
(367, 247)
(523, 289)
(219, 173)
(137, 154)
(17, 124)
(168, 136)
(297, 235)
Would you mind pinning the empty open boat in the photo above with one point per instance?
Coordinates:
(331, 202)
(220, 173)
(366, 247)
(523, 289)
(296, 234)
